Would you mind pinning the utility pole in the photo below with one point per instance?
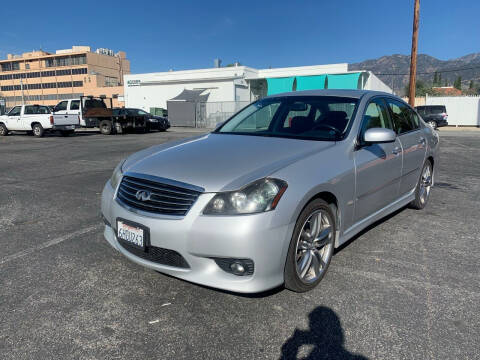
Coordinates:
(413, 57)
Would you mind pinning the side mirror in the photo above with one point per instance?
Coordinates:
(379, 135)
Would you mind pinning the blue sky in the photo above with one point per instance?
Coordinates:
(159, 35)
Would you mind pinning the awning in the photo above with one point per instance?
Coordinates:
(192, 96)
(343, 81)
(280, 85)
(314, 82)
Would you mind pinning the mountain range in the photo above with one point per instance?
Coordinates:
(468, 67)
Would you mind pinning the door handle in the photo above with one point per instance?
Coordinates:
(66, 116)
(396, 151)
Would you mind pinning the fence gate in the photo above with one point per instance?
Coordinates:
(181, 113)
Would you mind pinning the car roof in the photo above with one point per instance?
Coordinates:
(333, 92)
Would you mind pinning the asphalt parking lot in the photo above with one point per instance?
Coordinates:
(407, 288)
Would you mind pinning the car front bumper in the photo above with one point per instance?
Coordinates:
(199, 239)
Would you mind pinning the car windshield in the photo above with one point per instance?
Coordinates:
(302, 117)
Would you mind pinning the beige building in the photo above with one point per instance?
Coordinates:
(44, 78)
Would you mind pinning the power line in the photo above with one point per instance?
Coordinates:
(433, 72)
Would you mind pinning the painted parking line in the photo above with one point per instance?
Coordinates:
(49, 243)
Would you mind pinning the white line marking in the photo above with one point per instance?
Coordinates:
(154, 321)
(48, 244)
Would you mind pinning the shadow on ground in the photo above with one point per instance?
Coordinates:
(323, 340)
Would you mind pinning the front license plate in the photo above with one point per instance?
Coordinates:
(132, 233)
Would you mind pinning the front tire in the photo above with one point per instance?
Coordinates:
(311, 247)
(37, 130)
(424, 185)
(3, 130)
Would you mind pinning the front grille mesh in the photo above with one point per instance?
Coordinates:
(165, 199)
(157, 255)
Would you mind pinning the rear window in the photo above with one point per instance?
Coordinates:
(436, 109)
(95, 104)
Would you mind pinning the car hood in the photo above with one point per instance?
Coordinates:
(221, 162)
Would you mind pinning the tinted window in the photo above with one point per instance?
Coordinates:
(402, 117)
(74, 104)
(436, 109)
(62, 105)
(15, 111)
(376, 116)
(29, 110)
(43, 110)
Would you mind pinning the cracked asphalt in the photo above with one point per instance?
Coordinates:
(408, 287)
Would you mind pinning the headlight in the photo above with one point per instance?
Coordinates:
(117, 175)
(259, 196)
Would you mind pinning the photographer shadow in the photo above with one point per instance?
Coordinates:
(325, 336)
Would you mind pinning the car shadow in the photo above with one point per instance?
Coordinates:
(325, 336)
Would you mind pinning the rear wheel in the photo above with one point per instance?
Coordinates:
(105, 127)
(37, 130)
(424, 185)
(311, 247)
(3, 130)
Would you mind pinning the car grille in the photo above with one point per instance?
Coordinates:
(157, 255)
(164, 199)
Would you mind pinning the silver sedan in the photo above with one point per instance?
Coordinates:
(265, 198)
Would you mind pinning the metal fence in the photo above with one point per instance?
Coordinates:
(202, 114)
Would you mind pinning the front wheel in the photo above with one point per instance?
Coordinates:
(424, 185)
(37, 130)
(311, 247)
(3, 130)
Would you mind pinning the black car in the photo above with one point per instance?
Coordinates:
(434, 115)
(139, 116)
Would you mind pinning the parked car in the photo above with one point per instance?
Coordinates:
(433, 115)
(265, 198)
(35, 119)
(151, 122)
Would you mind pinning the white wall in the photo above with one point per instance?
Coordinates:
(461, 110)
(374, 83)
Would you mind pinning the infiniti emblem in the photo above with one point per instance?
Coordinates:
(143, 195)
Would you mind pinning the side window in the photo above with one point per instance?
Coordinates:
(75, 105)
(415, 119)
(15, 111)
(376, 116)
(62, 105)
(30, 110)
(43, 110)
(402, 117)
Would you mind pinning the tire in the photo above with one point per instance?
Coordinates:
(433, 124)
(424, 185)
(105, 127)
(38, 130)
(318, 248)
(3, 130)
(66, 132)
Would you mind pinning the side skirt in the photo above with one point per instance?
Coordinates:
(362, 224)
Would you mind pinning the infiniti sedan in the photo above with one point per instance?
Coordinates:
(265, 198)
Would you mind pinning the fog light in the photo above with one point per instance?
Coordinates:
(237, 268)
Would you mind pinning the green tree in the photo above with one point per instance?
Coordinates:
(421, 88)
(439, 80)
(458, 83)
(471, 86)
(435, 79)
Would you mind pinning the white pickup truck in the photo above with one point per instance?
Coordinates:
(36, 119)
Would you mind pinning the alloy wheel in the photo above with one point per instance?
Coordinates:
(314, 246)
(425, 183)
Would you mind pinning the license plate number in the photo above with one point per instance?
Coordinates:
(130, 233)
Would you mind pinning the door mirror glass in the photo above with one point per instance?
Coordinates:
(379, 135)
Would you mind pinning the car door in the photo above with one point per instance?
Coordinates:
(408, 128)
(378, 167)
(74, 112)
(28, 117)
(13, 118)
(61, 113)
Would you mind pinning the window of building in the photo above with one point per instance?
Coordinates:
(27, 66)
